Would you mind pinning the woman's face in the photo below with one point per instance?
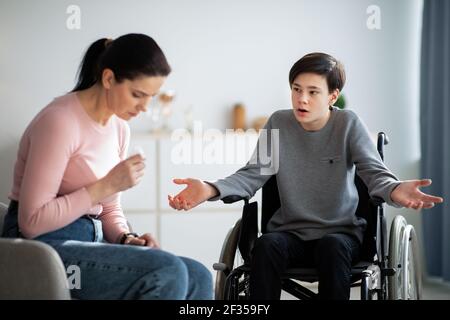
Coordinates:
(128, 98)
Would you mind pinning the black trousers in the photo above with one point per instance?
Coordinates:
(333, 256)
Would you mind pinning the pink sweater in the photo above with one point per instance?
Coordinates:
(61, 152)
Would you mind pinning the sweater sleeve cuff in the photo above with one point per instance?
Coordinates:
(114, 235)
(83, 197)
(388, 198)
(216, 186)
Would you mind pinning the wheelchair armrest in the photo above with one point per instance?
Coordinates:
(233, 198)
(377, 201)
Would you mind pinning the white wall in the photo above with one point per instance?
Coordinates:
(221, 52)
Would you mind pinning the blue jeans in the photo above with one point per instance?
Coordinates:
(114, 271)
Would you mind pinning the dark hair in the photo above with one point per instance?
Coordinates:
(323, 64)
(129, 56)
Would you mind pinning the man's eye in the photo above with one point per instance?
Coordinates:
(314, 92)
(136, 95)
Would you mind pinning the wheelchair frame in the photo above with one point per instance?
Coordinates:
(390, 274)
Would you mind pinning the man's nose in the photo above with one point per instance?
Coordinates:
(303, 98)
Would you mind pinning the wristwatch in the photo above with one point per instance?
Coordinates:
(126, 235)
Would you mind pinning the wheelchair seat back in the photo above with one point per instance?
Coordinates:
(366, 209)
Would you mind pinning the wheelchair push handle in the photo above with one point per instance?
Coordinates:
(381, 142)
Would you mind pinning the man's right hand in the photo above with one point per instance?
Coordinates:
(194, 194)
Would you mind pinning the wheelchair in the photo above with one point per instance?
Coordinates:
(388, 272)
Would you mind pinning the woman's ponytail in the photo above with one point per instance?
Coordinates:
(129, 56)
(89, 67)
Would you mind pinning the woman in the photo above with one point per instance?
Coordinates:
(71, 168)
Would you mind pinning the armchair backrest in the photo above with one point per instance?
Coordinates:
(30, 269)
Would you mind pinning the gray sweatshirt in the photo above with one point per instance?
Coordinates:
(315, 174)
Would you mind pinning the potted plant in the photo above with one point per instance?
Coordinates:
(340, 102)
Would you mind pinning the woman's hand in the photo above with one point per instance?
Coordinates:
(123, 176)
(146, 240)
(127, 173)
(194, 194)
(407, 194)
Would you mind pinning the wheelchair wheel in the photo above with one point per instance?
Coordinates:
(229, 259)
(406, 283)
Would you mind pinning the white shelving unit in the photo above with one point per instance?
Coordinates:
(200, 232)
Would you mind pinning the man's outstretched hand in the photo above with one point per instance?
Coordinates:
(195, 193)
(408, 195)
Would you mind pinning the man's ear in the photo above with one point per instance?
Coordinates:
(334, 96)
(108, 78)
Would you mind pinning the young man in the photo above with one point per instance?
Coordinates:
(319, 149)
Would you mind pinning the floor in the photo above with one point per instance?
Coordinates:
(436, 290)
(432, 290)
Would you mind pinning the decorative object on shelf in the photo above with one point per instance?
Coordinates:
(239, 117)
(341, 101)
(154, 113)
(161, 111)
(189, 118)
(165, 99)
(259, 123)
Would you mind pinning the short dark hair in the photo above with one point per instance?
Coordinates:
(322, 64)
(129, 56)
